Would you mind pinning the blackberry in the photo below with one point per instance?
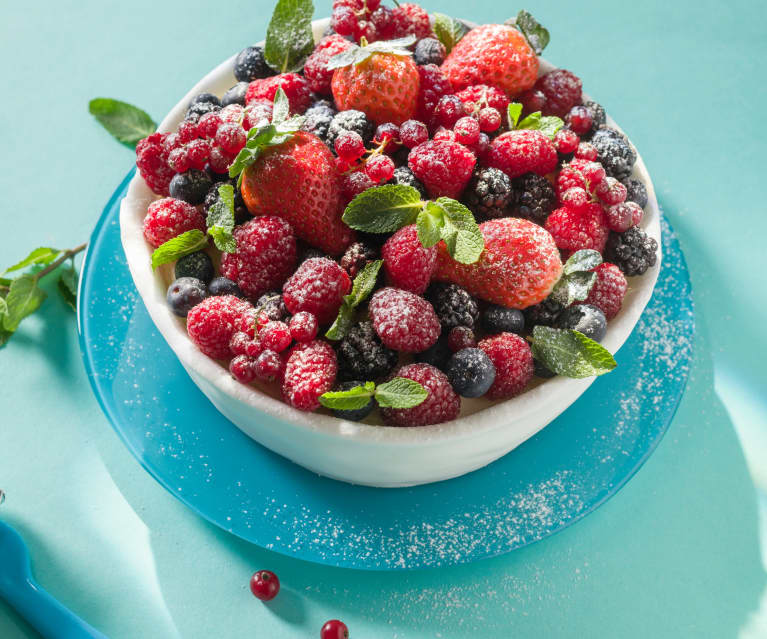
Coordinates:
(224, 286)
(356, 414)
(598, 118)
(499, 319)
(429, 51)
(543, 314)
(361, 355)
(437, 354)
(197, 265)
(536, 198)
(250, 65)
(454, 305)
(614, 152)
(197, 109)
(403, 175)
(184, 294)
(490, 194)
(273, 306)
(351, 120)
(632, 252)
(584, 318)
(241, 213)
(235, 95)
(205, 97)
(317, 119)
(636, 191)
(471, 372)
(190, 186)
(357, 256)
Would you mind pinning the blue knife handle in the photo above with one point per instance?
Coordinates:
(46, 615)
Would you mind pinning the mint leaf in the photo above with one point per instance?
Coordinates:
(220, 220)
(400, 392)
(536, 35)
(550, 124)
(356, 54)
(281, 108)
(383, 209)
(531, 121)
(364, 283)
(127, 123)
(345, 58)
(174, 249)
(258, 139)
(429, 224)
(574, 287)
(342, 323)
(67, 285)
(289, 36)
(570, 353)
(40, 256)
(23, 299)
(460, 232)
(583, 260)
(448, 30)
(352, 399)
(514, 111)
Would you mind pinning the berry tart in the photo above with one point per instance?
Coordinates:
(391, 247)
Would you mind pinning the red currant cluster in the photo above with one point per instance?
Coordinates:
(371, 20)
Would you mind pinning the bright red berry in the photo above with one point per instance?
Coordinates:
(197, 152)
(178, 160)
(380, 168)
(212, 323)
(243, 369)
(448, 111)
(523, 151)
(344, 21)
(576, 229)
(349, 146)
(611, 192)
(265, 256)
(380, 24)
(187, 131)
(609, 290)
(296, 89)
(387, 133)
(219, 159)
(403, 320)
(407, 263)
(234, 113)
(257, 113)
(303, 327)
(352, 184)
(489, 119)
(562, 89)
(566, 141)
(622, 216)
(231, 138)
(467, 131)
(434, 84)
(334, 629)
(275, 336)
(410, 19)
(441, 405)
(444, 167)
(579, 119)
(208, 124)
(167, 218)
(152, 163)
(461, 337)
(310, 371)
(316, 69)
(444, 135)
(513, 361)
(479, 96)
(269, 366)
(575, 198)
(531, 100)
(264, 585)
(241, 343)
(586, 151)
(318, 286)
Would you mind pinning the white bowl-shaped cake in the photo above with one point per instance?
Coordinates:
(364, 453)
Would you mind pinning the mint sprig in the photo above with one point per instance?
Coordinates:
(289, 36)
(127, 123)
(179, 246)
(399, 392)
(449, 31)
(546, 124)
(570, 353)
(577, 277)
(383, 209)
(449, 220)
(535, 33)
(220, 220)
(357, 54)
(362, 287)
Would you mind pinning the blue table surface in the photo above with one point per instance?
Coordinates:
(678, 553)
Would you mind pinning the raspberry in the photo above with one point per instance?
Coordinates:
(257, 113)
(219, 160)
(609, 290)
(410, 19)
(349, 146)
(614, 152)
(434, 84)
(269, 366)
(250, 65)
(234, 113)
(357, 256)
(380, 168)
(309, 372)
(579, 120)
(635, 191)
(467, 131)
(453, 305)
(178, 161)
(461, 337)
(318, 286)
(197, 152)
(167, 218)
(243, 369)
(478, 96)
(429, 51)
(513, 361)
(403, 175)
(404, 321)
(212, 323)
(187, 131)
(441, 405)
(489, 119)
(586, 151)
(536, 197)
(566, 141)
(362, 356)
(316, 69)
(296, 89)
(231, 138)
(152, 163)
(275, 336)
(265, 257)
(208, 124)
(444, 167)
(562, 89)
(577, 229)
(352, 184)
(574, 198)
(582, 174)
(303, 327)
(490, 194)
(523, 151)
(448, 111)
(632, 252)
(350, 120)
(407, 263)
(610, 191)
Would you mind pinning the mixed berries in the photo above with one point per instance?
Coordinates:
(288, 294)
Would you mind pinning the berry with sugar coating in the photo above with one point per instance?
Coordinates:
(168, 218)
(318, 286)
(184, 294)
(584, 318)
(404, 321)
(636, 191)
(303, 327)
(250, 65)
(499, 319)
(350, 120)
(513, 361)
(576, 229)
(609, 290)
(614, 152)
(536, 197)
(453, 305)
(444, 167)
(198, 265)
(361, 355)
(471, 372)
(442, 403)
(433, 85)
(213, 321)
(190, 186)
(410, 19)
(633, 252)
(407, 263)
(295, 86)
(316, 69)
(523, 151)
(490, 194)
(562, 89)
(429, 51)
(310, 371)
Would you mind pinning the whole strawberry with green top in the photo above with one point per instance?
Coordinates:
(379, 79)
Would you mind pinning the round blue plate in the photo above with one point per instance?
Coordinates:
(566, 471)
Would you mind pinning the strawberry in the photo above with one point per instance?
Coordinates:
(518, 268)
(382, 85)
(494, 54)
(298, 181)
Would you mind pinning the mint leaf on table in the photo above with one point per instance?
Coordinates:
(40, 256)
(536, 34)
(570, 353)
(67, 285)
(23, 299)
(181, 245)
(289, 36)
(448, 30)
(352, 399)
(126, 122)
(357, 54)
(220, 220)
(383, 209)
(400, 392)
(362, 287)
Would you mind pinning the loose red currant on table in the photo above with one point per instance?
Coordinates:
(579, 119)
(334, 629)
(349, 146)
(264, 585)
(380, 168)
(275, 336)
(269, 366)
(466, 131)
(303, 327)
(489, 119)
(566, 141)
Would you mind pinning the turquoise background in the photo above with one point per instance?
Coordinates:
(677, 553)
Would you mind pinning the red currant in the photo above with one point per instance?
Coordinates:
(381, 20)
(579, 119)
(461, 337)
(466, 131)
(380, 168)
(264, 585)
(586, 151)
(219, 160)
(349, 146)
(275, 336)
(208, 124)
(334, 629)
(489, 119)
(387, 134)
(344, 21)
(412, 133)
(303, 327)
(243, 369)
(444, 134)
(269, 367)
(449, 110)
(232, 113)
(566, 141)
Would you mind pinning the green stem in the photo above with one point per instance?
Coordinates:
(59, 261)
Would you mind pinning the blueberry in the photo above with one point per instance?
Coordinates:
(205, 97)
(499, 319)
(471, 372)
(250, 65)
(197, 265)
(542, 371)
(224, 286)
(357, 414)
(437, 355)
(235, 95)
(429, 51)
(184, 294)
(190, 186)
(584, 318)
(198, 109)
